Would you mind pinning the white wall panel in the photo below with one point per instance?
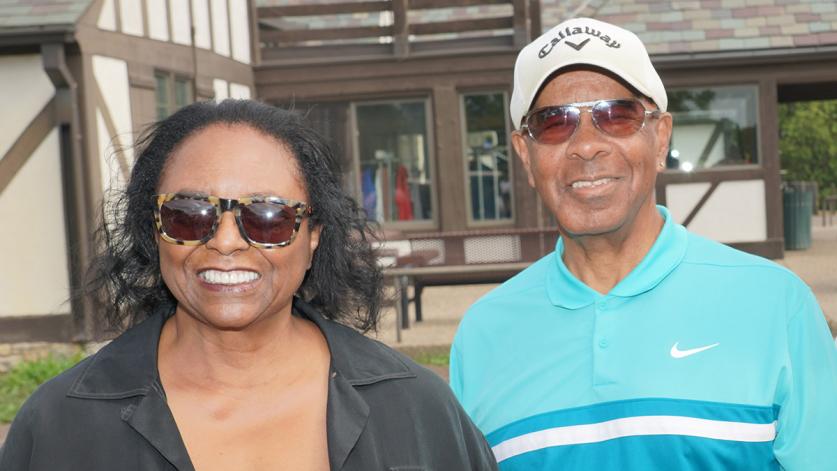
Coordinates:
(240, 29)
(240, 91)
(34, 276)
(683, 197)
(112, 78)
(24, 92)
(180, 22)
(158, 21)
(130, 13)
(107, 16)
(200, 10)
(220, 27)
(222, 89)
(734, 213)
(109, 170)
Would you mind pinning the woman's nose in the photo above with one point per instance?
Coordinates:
(227, 238)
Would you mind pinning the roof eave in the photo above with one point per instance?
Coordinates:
(748, 57)
(32, 35)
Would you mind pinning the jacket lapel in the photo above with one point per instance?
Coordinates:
(347, 414)
(152, 419)
(355, 361)
(126, 368)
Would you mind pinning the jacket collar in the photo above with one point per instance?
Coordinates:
(128, 366)
(567, 291)
(359, 361)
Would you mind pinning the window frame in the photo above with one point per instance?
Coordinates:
(421, 224)
(756, 88)
(463, 129)
(171, 79)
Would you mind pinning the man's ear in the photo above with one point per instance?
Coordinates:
(521, 148)
(664, 129)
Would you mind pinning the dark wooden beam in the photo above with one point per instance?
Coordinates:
(522, 25)
(701, 202)
(312, 55)
(400, 29)
(428, 4)
(459, 26)
(37, 328)
(26, 144)
(720, 173)
(300, 35)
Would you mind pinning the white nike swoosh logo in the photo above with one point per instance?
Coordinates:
(677, 353)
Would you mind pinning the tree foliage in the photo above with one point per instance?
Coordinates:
(808, 143)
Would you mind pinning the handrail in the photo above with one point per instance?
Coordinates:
(317, 9)
(407, 24)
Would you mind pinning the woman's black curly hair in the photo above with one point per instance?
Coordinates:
(344, 282)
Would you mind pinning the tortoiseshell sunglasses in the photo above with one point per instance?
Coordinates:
(263, 221)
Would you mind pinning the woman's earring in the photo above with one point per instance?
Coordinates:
(662, 164)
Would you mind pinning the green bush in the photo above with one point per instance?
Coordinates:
(21, 381)
(808, 143)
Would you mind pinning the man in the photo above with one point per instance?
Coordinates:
(635, 345)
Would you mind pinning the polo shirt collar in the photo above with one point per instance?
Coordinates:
(567, 291)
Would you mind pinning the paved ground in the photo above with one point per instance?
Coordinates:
(443, 306)
(818, 267)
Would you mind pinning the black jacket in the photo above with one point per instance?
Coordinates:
(109, 412)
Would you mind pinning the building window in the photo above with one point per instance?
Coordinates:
(486, 153)
(173, 92)
(713, 127)
(393, 150)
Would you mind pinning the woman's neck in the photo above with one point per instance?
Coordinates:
(263, 354)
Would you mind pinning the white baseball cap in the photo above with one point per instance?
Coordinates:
(583, 41)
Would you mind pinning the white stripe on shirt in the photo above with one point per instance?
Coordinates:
(631, 427)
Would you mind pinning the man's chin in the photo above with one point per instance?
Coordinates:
(588, 224)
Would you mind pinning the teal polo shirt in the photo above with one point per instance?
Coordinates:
(703, 358)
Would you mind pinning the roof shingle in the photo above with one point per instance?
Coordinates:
(31, 13)
(692, 26)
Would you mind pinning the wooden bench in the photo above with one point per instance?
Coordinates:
(462, 257)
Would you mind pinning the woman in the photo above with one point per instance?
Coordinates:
(239, 261)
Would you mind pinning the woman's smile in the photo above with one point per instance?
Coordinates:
(231, 281)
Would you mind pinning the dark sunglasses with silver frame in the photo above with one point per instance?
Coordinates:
(556, 124)
(263, 221)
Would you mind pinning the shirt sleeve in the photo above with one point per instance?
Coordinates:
(807, 397)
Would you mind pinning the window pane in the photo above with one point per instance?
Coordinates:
(487, 156)
(182, 93)
(394, 162)
(713, 126)
(331, 120)
(161, 91)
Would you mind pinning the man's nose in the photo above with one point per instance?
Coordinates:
(588, 141)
